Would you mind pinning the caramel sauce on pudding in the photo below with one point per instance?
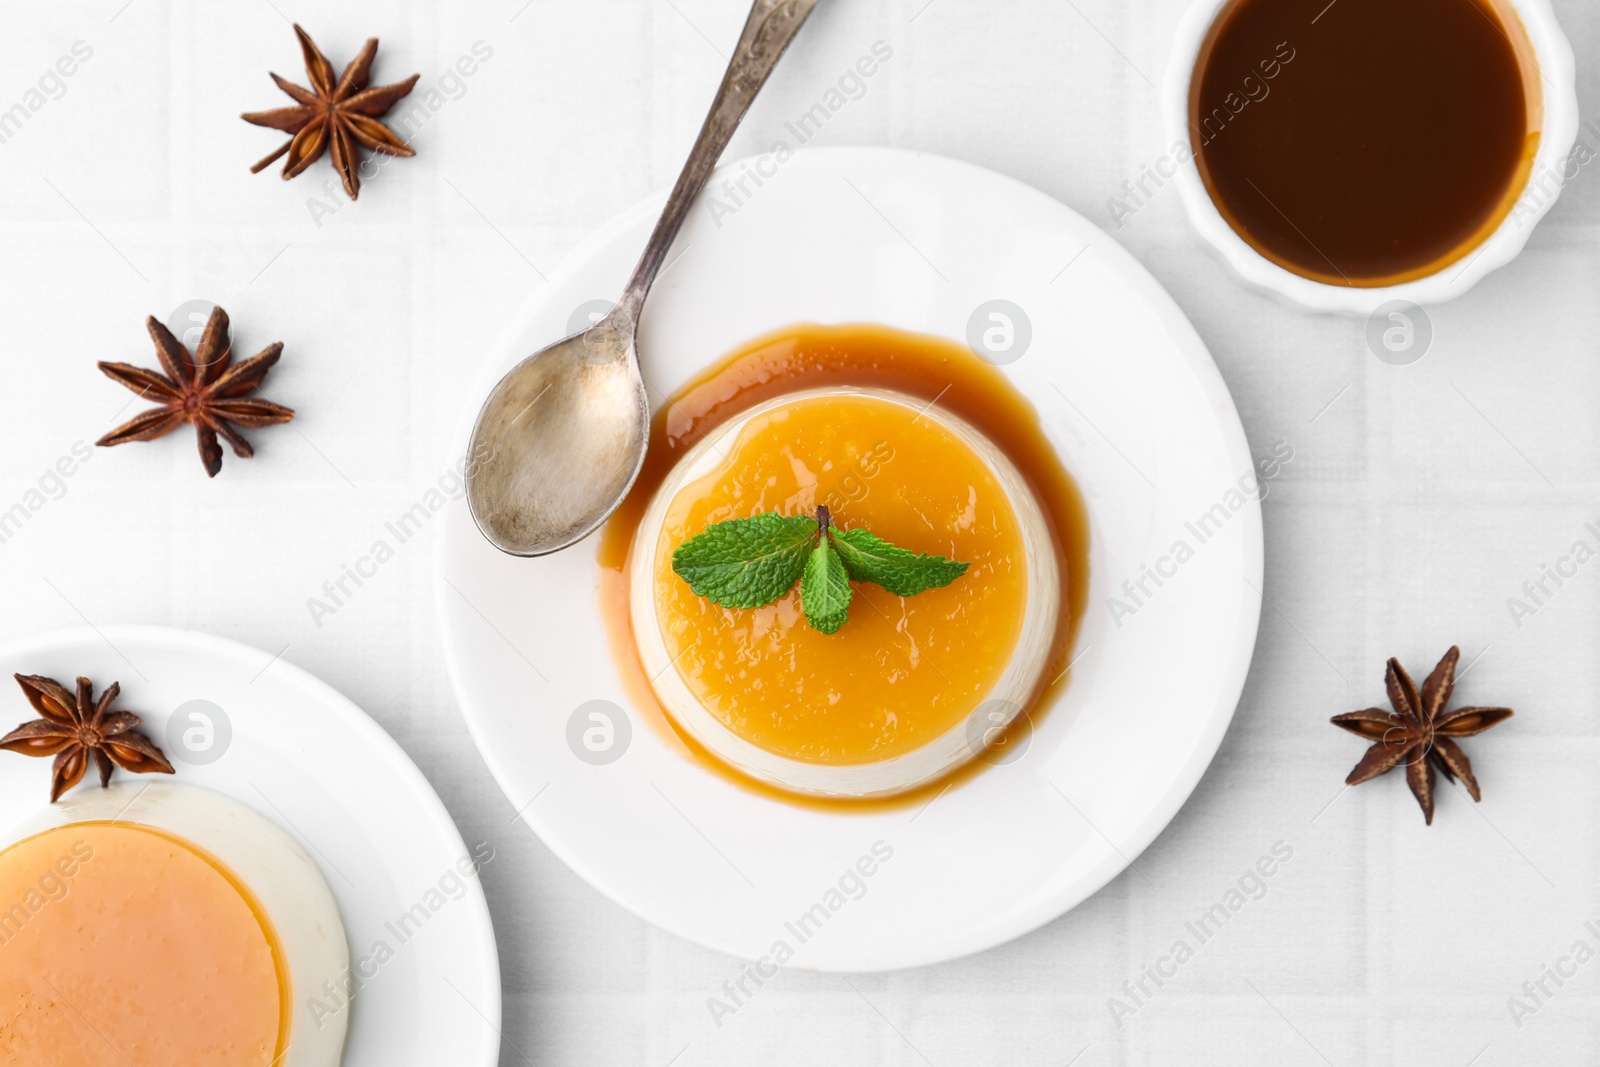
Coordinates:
(122, 943)
(773, 679)
(903, 670)
(1365, 143)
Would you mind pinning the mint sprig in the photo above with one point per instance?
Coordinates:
(749, 563)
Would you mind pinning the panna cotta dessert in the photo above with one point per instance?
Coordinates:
(153, 923)
(901, 690)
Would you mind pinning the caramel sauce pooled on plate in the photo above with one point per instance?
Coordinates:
(1365, 143)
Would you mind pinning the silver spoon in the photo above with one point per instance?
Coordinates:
(562, 437)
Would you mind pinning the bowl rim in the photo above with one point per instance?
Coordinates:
(1559, 132)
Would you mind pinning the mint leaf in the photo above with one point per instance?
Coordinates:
(747, 563)
(825, 588)
(869, 558)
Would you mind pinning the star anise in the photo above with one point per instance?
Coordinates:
(70, 728)
(1419, 732)
(342, 113)
(207, 389)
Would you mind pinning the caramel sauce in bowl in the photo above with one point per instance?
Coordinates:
(1349, 154)
(909, 689)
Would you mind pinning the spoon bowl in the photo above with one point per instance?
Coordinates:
(580, 407)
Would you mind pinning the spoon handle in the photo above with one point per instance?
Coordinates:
(767, 32)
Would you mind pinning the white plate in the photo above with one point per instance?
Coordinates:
(916, 242)
(312, 762)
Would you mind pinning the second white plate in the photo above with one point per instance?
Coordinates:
(274, 738)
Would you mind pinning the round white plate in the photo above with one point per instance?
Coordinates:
(1129, 396)
(296, 751)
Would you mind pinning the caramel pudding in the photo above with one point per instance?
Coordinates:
(941, 378)
(887, 702)
(1367, 142)
(126, 938)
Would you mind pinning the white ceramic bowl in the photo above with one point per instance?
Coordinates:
(1558, 131)
(990, 715)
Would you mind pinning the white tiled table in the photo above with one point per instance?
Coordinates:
(1419, 500)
